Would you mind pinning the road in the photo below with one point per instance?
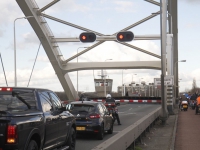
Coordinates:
(128, 114)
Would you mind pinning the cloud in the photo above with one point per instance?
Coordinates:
(193, 1)
(125, 6)
(118, 52)
(192, 25)
(41, 59)
(9, 12)
(1, 32)
(45, 74)
(69, 5)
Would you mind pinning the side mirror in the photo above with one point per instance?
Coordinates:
(68, 107)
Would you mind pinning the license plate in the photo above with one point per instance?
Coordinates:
(80, 128)
(184, 106)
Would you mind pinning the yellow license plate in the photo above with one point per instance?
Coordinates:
(184, 106)
(80, 128)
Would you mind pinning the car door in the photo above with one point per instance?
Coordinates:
(108, 117)
(63, 122)
(103, 116)
(51, 131)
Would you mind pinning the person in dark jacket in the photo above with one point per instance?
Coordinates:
(111, 99)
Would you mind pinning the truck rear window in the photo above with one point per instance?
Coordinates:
(21, 102)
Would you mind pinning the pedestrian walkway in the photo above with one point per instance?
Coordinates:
(188, 131)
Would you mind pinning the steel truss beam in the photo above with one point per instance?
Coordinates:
(62, 66)
(112, 65)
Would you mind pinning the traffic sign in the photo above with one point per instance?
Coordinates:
(169, 80)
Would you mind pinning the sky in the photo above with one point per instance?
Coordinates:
(103, 16)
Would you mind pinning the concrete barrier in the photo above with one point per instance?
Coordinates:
(126, 137)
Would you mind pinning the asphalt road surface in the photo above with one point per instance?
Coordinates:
(128, 114)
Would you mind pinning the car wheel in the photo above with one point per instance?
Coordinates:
(32, 145)
(110, 131)
(71, 141)
(100, 135)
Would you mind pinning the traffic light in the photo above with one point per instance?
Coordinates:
(126, 36)
(87, 37)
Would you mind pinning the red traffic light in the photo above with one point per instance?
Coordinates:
(126, 36)
(87, 37)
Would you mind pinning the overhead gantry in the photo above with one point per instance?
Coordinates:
(61, 65)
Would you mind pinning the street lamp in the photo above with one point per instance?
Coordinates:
(77, 70)
(176, 86)
(105, 79)
(15, 48)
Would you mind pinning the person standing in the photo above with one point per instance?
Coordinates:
(197, 104)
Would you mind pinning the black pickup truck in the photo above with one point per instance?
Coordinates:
(34, 119)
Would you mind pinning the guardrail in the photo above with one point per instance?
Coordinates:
(126, 137)
(130, 101)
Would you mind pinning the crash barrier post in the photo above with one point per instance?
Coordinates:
(126, 137)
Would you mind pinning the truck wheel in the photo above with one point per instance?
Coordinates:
(71, 141)
(32, 145)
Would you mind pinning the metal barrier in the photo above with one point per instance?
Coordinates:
(130, 101)
(126, 137)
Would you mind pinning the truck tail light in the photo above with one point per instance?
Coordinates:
(11, 134)
(5, 89)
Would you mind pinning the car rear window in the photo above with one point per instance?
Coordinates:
(82, 107)
(25, 100)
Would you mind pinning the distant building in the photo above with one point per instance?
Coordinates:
(103, 86)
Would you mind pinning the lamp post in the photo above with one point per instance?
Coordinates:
(15, 48)
(175, 81)
(77, 70)
(105, 79)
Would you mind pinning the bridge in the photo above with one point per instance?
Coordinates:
(166, 62)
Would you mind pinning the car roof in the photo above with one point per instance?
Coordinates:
(85, 102)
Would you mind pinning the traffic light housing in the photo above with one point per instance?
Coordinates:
(126, 36)
(87, 37)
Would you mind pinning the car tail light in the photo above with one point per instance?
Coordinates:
(11, 134)
(112, 104)
(5, 89)
(94, 116)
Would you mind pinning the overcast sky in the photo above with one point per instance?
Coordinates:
(103, 16)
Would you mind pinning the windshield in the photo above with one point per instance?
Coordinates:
(20, 102)
(80, 107)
